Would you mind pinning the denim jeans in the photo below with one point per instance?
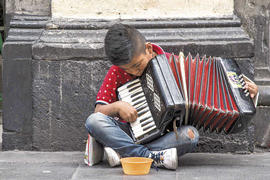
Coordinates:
(115, 134)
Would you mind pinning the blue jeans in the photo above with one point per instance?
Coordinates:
(115, 134)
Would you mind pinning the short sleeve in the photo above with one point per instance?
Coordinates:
(114, 78)
(107, 91)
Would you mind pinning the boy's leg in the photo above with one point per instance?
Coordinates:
(188, 138)
(107, 131)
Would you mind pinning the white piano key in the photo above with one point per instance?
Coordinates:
(142, 133)
(141, 126)
(138, 130)
(129, 91)
(126, 93)
(127, 84)
(140, 118)
(143, 111)
(131, 99)
(139, 100)
(142, 108)
(137, 122)
(130, 88)
(140, 104)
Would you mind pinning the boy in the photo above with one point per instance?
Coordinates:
(129, 53)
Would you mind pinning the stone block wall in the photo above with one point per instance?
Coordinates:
(54, 67)
(255, 15)
(61, 65)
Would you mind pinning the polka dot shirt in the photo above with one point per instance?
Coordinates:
(115, 78)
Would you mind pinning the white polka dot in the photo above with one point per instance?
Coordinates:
(113, 88)
(112, 94)
(110, 100)
(115, 82)
(112, 73)
(103, 98)
(125, 73)
(117, 75)
(107, 85)
(114, 69)
(105, 91)
(98, 97)
(109, 79)
(127, 79)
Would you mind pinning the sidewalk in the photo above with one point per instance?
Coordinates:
(69, 165)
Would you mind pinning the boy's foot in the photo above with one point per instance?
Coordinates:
(166, 158)
(113, 157)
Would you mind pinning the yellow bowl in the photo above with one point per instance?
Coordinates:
(136, 165)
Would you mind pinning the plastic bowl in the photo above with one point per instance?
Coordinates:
(136, 165)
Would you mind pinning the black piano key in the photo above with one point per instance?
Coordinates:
(146, 122)
(148, 127)
(134, 88)
(143, 112)
(133, 84)
(135, 99)
(144, 119)
(135, 94)
(141, 101)
(143, 106)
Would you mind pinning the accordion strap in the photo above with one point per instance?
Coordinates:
(175, 128)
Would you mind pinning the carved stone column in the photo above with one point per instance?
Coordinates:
(255, 15)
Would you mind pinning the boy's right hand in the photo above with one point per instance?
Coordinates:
(126, 111)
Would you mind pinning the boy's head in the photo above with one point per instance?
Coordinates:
(126, 47)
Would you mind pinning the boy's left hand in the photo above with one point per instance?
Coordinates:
(252, 88)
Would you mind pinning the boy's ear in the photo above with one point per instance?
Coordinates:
(148, 48)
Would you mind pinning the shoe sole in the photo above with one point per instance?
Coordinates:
(174, 164)
(112, 161)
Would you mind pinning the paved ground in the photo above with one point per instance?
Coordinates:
(21, 165)
(1, 130)
(69, 165)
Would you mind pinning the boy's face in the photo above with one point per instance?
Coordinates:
(139, 63)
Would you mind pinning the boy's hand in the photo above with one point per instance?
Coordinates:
(252, 88)
(126, 111)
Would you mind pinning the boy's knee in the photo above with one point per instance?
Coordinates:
(192, 134)
(92, 121)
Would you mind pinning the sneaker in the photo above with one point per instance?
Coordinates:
(113, 157)
(166, 158)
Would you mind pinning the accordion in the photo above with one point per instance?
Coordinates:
(157, 99)
(204, 92)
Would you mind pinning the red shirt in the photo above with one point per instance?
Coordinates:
(115, 78)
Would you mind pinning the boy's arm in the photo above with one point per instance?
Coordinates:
(118, 108)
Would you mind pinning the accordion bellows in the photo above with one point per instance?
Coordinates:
(213, 89)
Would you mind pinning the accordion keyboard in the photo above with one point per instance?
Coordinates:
(132, 93)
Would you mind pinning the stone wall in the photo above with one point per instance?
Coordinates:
(63, 63)
(33, 7)
(53, 68)
(28, 7)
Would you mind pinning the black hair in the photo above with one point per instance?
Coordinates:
(122, 43)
